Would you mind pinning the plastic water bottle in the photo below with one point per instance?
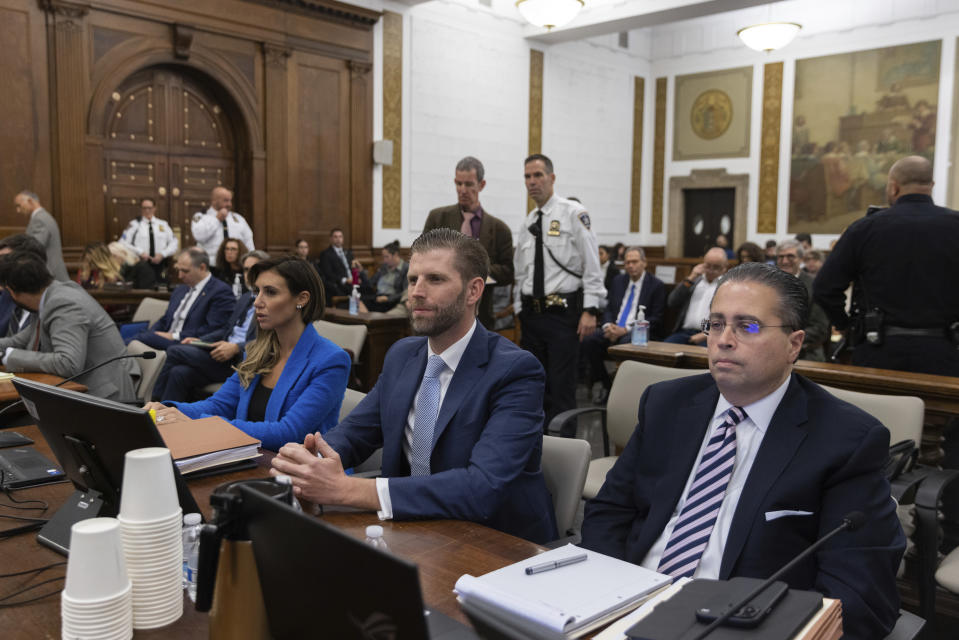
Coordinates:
(191, 552)
(237, 285)
(640, 335)
(374, 537)
(355, 300)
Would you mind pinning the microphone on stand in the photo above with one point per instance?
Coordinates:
(850, 522)
(146, 355)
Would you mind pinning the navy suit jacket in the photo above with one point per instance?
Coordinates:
(487, 442)
(306, 399)
(819, 454)
(652, 295)
(243, 304)
(209, 311)
(8, 325)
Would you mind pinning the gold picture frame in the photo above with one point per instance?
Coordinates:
(712, 114)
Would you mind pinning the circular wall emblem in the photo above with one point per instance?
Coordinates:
(711, 114)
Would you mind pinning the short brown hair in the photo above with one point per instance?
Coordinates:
(469, 256)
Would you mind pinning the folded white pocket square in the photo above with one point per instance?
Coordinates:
(775, 515)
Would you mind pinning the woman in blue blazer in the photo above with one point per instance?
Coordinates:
(292, 380)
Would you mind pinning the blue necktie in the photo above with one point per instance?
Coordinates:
(424, 419)
(691, 533)
(624, 314)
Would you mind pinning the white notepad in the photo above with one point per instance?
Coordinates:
(568, 601)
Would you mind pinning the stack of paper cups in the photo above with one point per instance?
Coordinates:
(96, 599)
(150, 525)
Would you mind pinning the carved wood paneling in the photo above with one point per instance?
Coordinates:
(535, 108)
(361, 160)
(635, 199)
(769, 147)
(393, 117)
(659, 156)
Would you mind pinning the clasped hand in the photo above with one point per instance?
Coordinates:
(315, 479)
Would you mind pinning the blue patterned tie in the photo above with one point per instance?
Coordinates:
(695, 523)
(624, 314)
(424, 419)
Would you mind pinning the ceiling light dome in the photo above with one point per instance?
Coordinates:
(549, 13)
(769, 36)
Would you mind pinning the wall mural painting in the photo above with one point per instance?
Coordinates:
(854, 115)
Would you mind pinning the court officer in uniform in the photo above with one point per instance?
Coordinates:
(559, 283)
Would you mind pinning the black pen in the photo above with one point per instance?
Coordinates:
(556, 564)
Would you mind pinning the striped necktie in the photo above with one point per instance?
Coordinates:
(424, 418)
(695, 523)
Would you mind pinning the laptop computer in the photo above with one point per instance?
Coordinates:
(316, 578)
(26, 467)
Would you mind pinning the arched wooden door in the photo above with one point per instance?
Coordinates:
(168, 137)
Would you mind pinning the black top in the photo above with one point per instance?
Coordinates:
(905, 259)
(258, 401)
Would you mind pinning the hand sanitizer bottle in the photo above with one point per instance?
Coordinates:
(355, 300)
(640, 335)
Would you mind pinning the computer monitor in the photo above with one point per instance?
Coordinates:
(350, 589)
(90, 437)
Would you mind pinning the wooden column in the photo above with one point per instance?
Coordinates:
(68, 74)
(361, 156)
(276, 132)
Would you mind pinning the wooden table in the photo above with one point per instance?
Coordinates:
(112, 295)
(443, 549)
(939, 393)
(382, 330)
(8, 393)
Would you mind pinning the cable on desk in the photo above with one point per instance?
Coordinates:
(6, 490)
(18, 603)
(37, 570)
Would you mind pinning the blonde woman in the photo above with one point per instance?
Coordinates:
(292, 380)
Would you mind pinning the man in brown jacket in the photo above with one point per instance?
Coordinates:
(467, 216)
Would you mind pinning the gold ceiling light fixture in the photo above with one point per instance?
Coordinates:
(549, 13)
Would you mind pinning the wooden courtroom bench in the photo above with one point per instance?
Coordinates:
(939, 393)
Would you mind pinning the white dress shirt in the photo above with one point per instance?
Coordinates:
(451, 356)
(136, 237)
(749, 437)
(208, 231)
(179, 317)
(698, 309)
(567, 233)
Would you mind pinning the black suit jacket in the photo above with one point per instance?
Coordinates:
(652, 295)
(495, 237)
(243, 304)
(332, 271)
(819, 454)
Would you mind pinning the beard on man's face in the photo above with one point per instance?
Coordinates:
(443, 318)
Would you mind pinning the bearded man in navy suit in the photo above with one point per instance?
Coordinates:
(457, 411)
(735, 472)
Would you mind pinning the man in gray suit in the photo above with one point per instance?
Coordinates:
(44, 228)
(469, 218)
(72, 332)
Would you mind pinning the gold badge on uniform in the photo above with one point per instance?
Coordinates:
(553, 228)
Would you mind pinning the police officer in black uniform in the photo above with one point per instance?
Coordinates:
(903, 262)
(559, 283)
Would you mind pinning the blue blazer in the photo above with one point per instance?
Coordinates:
(487, 443)
(652, 295)
(819, 454)
(306, 399)
(209, 312)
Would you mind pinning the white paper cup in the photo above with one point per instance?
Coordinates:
(149, 491)
(96, 569)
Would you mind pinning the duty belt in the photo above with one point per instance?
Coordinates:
(891, 330)
(552, 302)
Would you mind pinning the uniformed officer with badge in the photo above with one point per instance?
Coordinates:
(559, 283)
(150, 238)
(210, 229)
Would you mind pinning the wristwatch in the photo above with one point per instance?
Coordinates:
(592, 310)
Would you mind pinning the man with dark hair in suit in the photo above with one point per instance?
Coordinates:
(189, 368)
(735, 472)
(468, 217)
(457, 411)
(44, 228)
(201, 305)
(14, 318)
(629, 291)
(336, 264)
(72, 332)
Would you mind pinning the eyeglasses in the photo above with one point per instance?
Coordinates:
(743, 329)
